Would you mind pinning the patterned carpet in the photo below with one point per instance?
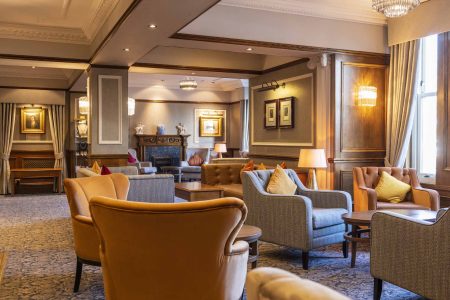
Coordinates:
(35, 232)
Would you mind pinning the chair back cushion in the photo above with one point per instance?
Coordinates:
(195, 160)
(371, 175)
(214, 174)
(169, 251)
(204, 153)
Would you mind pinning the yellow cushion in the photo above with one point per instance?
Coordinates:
(96, 168)
(261, 166)
(280, 183)
(390, 189)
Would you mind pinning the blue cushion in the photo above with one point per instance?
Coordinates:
(324, 217)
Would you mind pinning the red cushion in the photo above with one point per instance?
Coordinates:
(131, 158)
(105, 170)
(283, 165)
(195, 160)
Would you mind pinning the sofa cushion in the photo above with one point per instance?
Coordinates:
(232, 190)
(390, 189)
(191, 169)
(401, 205)
(148, 170)
(195, 160)
(96, 168)
(324, 217)
(105, 170)
(280, 183)
(85, 172)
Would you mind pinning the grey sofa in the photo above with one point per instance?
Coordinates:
(307, 220)
(411, 254)
(156, 188)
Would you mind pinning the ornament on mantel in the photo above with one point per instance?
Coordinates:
(160, 129)
(180, 129)
(139, 128)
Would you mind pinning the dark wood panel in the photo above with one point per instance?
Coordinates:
(24, 159)
(109, 160)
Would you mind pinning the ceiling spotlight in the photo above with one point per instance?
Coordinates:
(193, 73)
(33, 67)
(126, 49)
(188, 84)
(152, 26)
(249, 49)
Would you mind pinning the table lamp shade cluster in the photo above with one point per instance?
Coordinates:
(312, 159)
(220, 148)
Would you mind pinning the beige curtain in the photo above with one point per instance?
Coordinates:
(7, 121)
(401, 101)
(57, 122)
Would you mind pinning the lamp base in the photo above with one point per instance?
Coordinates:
(311, 183)
(220, 155)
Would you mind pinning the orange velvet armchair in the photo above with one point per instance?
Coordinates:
(79, 192)
(171, 250)
(365, 179)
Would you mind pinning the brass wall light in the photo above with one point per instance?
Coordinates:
(272, 85)
(367, 96)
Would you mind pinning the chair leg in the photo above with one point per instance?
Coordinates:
(305, 260)
(377, 288)
(78, 272)
(345, 249)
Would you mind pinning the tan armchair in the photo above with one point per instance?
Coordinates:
(79, 192)
(365, 179)
(171, 251)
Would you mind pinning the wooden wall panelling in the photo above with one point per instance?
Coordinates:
(30, 159)
(109, 160)
(360, 132)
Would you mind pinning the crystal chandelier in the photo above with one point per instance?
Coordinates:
(394, 8)
(188, 84)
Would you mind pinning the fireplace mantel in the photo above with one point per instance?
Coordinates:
(153, 140)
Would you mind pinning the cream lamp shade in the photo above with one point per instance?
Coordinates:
(220, 148)
(312, 159)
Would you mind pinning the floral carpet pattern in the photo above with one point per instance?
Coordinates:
(36, 234)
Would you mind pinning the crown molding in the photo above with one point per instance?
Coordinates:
(348, 10)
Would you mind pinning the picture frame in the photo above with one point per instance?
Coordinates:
(32, 120)
(271, 114)
(211, 126)
(286, 112)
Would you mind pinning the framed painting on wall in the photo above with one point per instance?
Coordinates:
(286, 111)
(270, 114)
(211, 126)
(32, 120)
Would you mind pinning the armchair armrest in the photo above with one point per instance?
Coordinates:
(239, 248)
(184, 163)
(329, 199)
(426, 197)
(364, 198)
(83, 219)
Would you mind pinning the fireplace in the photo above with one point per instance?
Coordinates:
(162, 150)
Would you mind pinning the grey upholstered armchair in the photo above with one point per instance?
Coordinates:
(194, 172)
(412, 254)
(144, 167)
(307, 220)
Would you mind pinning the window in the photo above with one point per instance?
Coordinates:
(426, 135)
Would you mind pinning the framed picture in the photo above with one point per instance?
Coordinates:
(270, 114)
(211, 126)
(32, 120)
(286, 107)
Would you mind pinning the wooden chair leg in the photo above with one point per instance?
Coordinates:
(78, 272)
(345, 249)
(305, 260)
(377, 288)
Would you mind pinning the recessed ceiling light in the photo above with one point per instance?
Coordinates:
(193, 73)
(33, 67)
(126, 49)
(249, 49)
(152, 26)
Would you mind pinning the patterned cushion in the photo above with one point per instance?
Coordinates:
(250, 166)
(195, 160)
(324, 217)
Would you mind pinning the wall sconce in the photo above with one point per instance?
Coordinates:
(131, 106)
(367, 96)
(267, 86)
(83, 105)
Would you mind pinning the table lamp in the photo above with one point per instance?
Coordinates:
(312, 159)
(220, 148)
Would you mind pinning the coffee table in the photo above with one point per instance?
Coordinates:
(197, 191)
(250, 234)
(363, 219)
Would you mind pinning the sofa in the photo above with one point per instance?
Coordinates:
(225, 176)
(156, 188)
(307, 220)
(365, 179)
(193, 173)
(230, 160)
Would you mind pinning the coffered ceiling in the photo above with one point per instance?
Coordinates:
(61, 21)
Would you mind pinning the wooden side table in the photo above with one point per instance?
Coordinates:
(37, 173)
(197, 191)
(251, 235)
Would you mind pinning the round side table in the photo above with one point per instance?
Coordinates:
(250, 234)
